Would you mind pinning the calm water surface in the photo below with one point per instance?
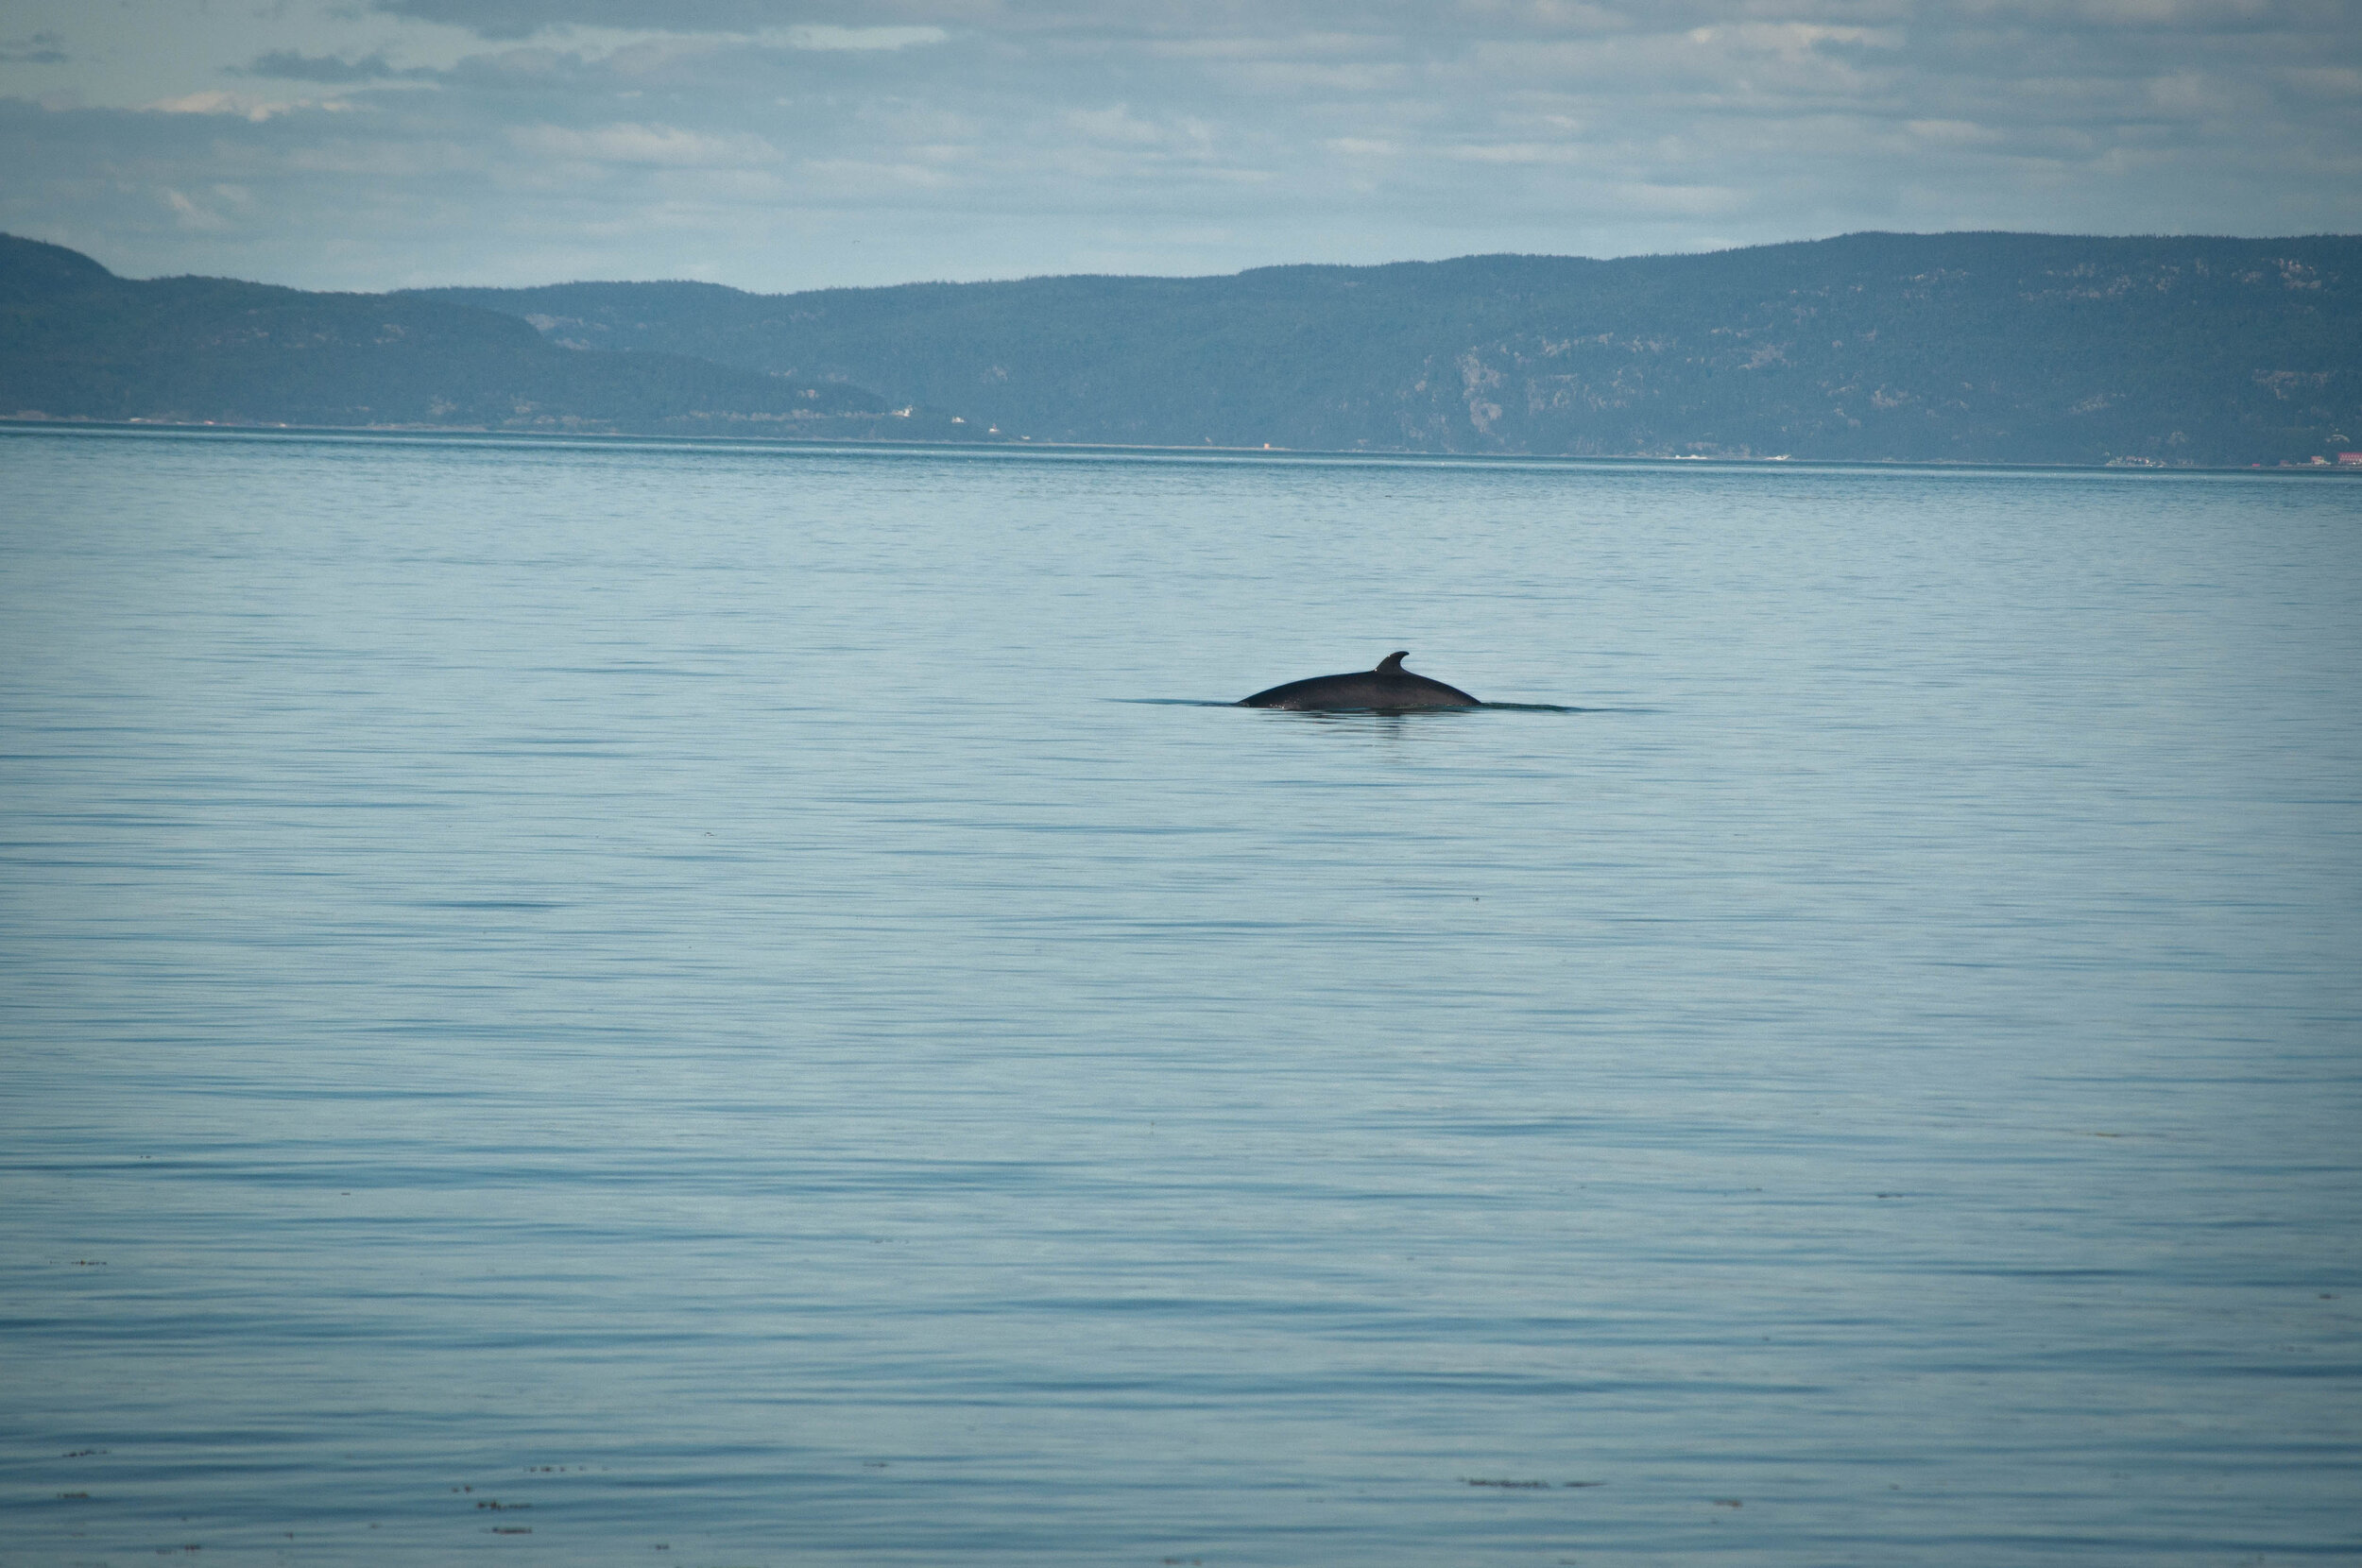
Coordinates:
(609, 1004)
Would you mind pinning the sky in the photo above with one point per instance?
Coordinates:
(780, 145)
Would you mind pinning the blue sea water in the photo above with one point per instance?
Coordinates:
(623, 1003)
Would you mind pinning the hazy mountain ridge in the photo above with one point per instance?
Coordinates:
(78, 342)
(1979, 348)
(1973, 347)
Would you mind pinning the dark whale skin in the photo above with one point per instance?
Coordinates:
(1388, 687)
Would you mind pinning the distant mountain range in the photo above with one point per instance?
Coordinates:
(1969, 347)
(76, 342)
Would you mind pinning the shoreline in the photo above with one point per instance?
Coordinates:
(1082, 449)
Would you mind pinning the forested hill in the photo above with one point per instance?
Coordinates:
(76, 342)
(1981, 347)
(1975, 347)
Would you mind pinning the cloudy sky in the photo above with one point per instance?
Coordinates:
(792, 144)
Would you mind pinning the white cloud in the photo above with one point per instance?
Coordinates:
(1516, 152)
(2192, 94)
(209, 216)
(245, 106)
(2326, 81)
(856, 39)
(1118, 127)
(1686, 201)
(918, 138)
(842, 177)
(1549, 15)
(662, 145)
(2131, 14)
(1955, 134)
(1295, 75)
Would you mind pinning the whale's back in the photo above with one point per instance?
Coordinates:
(1390, 686)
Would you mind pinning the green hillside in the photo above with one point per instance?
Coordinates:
(78, 342)
(1979, 348)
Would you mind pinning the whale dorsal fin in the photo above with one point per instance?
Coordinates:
(1391, 663)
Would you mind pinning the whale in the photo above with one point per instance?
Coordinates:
(1388, 687)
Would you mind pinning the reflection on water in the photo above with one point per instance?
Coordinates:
(613, 1000)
